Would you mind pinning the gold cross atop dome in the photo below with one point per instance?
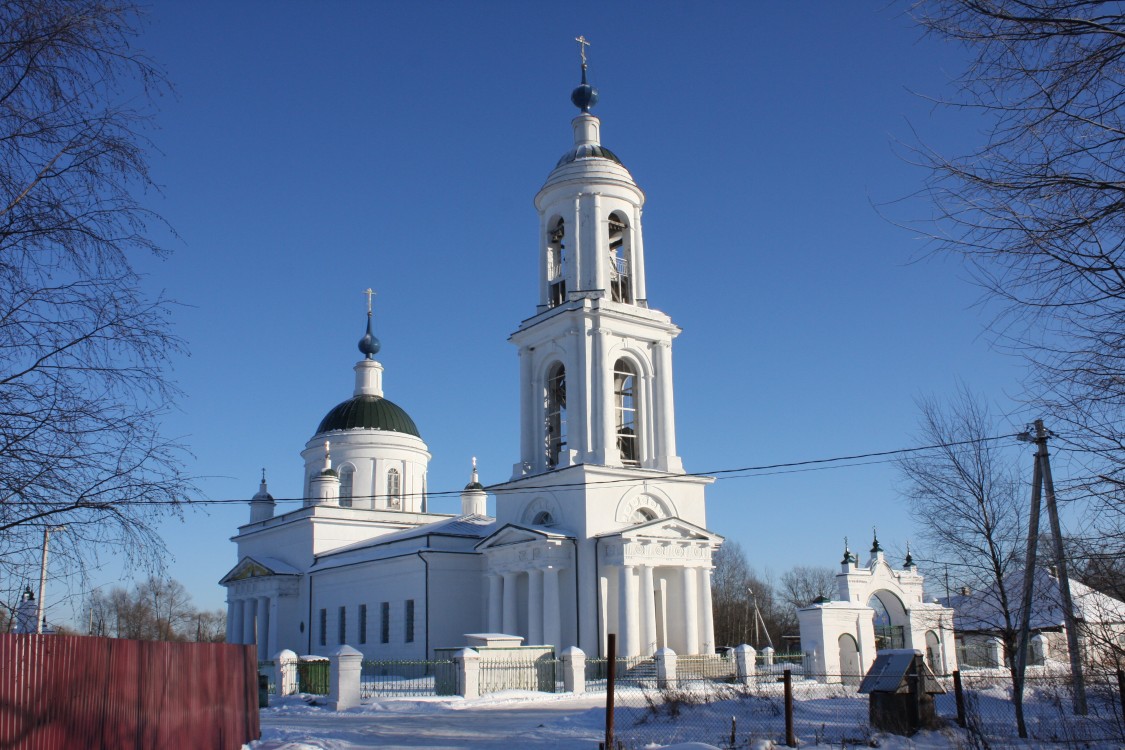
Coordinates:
(582, 45)
(370, 293)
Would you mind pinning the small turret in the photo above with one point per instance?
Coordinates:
(325, 486)
(876, 548)
(849, 558)
(27, 611)
(908, 563)
(474, 500)
(262, 504)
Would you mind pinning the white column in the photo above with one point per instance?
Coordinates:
(691, 611)
(495, 603)
(627, 613)
(665, 415)
(534, 607)
(552, 628)
(529, 430)
(271, 644)
(648, 611)
(248, 620)
(708, 634)
(234, 624)
(510, 621)
(263, 627)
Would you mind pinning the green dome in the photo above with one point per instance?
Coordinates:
(368, 413)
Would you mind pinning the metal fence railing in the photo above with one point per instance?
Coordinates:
(541, 675)
(312, 676)
(828, 710)
(407, 677)
(267, 668)
(636, 671)
(1048, 707)
(705, 668)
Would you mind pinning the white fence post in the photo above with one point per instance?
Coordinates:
(1040, 649)
(285, 672)
(995, 649)
(344, 666)
(665, 668)
(574, 669)
(745, 663)
(767, 655)
(468, 672)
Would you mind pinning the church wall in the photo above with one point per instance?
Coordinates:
(291, 543)
(394, 582)
(457, 593)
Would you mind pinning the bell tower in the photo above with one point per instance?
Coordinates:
(598, 517)
(596, 365)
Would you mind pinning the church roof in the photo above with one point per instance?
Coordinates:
(471, 526)
(588, 151)
(980, 610)
(367, 412)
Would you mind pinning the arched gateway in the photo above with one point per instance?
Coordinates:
(876, 607)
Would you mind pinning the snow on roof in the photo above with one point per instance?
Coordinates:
(981, 610)
(472, 526)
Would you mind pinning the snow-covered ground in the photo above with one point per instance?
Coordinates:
(514, 720)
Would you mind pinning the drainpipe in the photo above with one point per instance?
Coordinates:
(426, 600)
(597, 594)
(577, 597)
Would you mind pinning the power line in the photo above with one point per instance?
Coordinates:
(743, 472)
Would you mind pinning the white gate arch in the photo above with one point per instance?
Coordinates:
(898, 594)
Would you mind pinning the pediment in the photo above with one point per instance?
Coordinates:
(665, 528)
(511, 533)
(263, 567)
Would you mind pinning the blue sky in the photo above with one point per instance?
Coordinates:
(313, 150)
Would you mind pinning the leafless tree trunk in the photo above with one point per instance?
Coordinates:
(966, 502)
(82, 346)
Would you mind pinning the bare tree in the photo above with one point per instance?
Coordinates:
(965, 500)
(1038, 209)
(736, 589)
(82, 346)
(156, 609)
(801, 585)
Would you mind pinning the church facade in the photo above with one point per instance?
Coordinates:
(598, 530)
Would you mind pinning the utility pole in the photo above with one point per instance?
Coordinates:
(1043, 481)
(43, 577)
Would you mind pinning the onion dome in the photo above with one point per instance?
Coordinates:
(365, 412)
(875, 546)
(369, 345)
(585, 96)
(263, 494)
(474, 481)
(849, 558)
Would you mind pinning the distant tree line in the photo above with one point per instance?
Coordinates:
(749, 608)
(156, 609)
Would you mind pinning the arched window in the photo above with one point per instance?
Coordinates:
(347, 474)
(394, 489)
(643, 515)
(543, 518)
(625, 408)
(556, 264)
(620, 254)
(555, 411)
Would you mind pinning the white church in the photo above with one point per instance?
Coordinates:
(598, 530)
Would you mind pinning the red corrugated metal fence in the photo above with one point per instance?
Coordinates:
(59, 692)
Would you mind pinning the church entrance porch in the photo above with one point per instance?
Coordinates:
(531, 589)
(655, 588)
